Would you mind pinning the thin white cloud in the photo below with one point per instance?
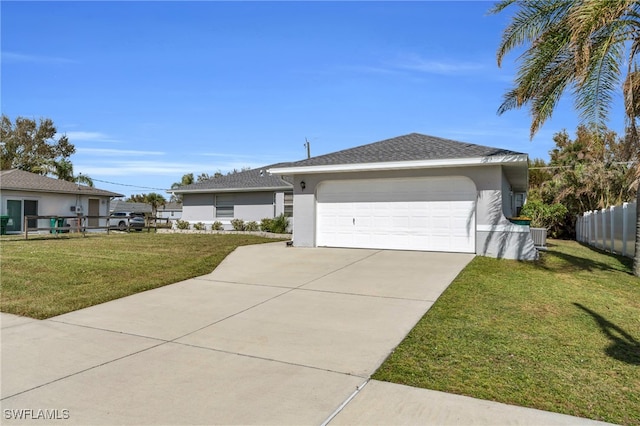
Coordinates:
(88, 136)
(14, 57)
(144, 168)
(116, 152)
(436, 66)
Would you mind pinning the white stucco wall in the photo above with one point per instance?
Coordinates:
(52, 204)
(495, 235)
(198, 208)
(248, 206)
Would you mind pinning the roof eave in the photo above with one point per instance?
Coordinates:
(403, 165)
(209, 190)
(57, 191)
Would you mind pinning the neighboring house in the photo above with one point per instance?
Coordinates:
(171, 210)
(250, 195)
(412, 192)
(29, 194)
(124, 206)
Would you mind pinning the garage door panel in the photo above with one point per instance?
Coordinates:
(435, 214)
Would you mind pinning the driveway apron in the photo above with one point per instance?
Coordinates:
(275, 335)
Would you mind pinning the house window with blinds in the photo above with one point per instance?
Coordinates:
(224, 206)
(288, 204)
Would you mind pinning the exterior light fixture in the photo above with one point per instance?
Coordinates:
(303, 185)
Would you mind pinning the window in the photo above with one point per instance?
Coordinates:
(288, 204)
(17, 209)
(224, 206)
(518, 202)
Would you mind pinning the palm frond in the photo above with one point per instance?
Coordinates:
(531, 21)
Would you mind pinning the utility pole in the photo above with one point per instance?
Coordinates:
(308, 145)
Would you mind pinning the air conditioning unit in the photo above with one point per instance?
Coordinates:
(77, 209)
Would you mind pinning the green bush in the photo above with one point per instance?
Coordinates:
(277, 225)
(549, 216)
(266, 224)
(238, 224)
(280, 224)
(199, 226)
(182, 224)
(251, 226)
(217, 226)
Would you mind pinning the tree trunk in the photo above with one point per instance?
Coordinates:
(636, 257)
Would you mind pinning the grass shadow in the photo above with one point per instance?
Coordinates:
(624, 347)
(587, 264)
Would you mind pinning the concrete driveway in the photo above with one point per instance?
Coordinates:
(274, 335)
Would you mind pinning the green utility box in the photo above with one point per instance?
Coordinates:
(56, 222)
(4, 220)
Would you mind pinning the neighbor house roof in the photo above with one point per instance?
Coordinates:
(249, 180)
(124, 206)
(170, 206)
(20, 180)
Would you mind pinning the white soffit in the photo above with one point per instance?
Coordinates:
(400, 165)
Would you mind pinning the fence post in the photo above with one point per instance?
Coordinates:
(578, 217)
(595, 228)
(587, 227)
(612, 211)
(625, 210)
(604, 228)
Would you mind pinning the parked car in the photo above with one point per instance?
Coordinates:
(122, 220)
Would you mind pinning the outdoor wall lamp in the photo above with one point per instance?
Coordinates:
(303, 185)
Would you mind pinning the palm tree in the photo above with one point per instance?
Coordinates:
(187, 179)
(63, 170)
(155, 200)
(588, 46)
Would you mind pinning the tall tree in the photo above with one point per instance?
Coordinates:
(155, 200)
(63, 169)
(27, 145)
(152, 198)
(187, 179)
(589, 46)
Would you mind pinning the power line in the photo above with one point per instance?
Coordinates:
(131, 186)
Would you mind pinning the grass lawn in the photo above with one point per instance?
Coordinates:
(561, 334)
(41, 278)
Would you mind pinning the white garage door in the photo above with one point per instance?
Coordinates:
(431, 214)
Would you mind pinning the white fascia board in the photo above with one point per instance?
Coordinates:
(400, 165)
(216, 190)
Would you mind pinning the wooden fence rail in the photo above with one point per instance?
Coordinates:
(63, 224)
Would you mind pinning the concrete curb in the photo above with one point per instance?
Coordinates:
(193, 231)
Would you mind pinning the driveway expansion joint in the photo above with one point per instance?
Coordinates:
(328, 370)
(345, 403)
(93, 367)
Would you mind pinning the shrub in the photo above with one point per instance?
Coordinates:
(182, 224)
(545, 216)
(266, 224)
(251, 226)
(217, 226)
(199, 226)
(238, 224)
(280, 224)
(277, 225)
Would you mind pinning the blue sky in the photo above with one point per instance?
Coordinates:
(149, 91)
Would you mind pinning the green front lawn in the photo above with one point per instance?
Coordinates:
(561, 334)
(41, 278)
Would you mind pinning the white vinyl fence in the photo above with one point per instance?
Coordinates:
(612, 229)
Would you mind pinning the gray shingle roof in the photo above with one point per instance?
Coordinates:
(411, 147)
(243, 181)
(124, 206)
(19, 180)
